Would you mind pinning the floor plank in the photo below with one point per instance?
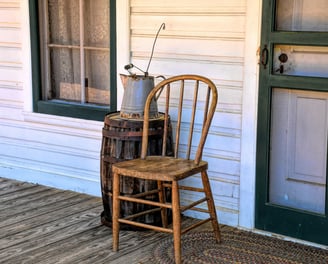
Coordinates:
(52, 203)
(43, 225)
(39, 224)
(44, 228)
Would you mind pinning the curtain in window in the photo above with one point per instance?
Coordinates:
(78, 50)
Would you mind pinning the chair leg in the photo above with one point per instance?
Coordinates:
(162, 199)
(211, 206)
(176, 222)
(116, 211)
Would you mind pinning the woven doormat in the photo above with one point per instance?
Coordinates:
(238, 246)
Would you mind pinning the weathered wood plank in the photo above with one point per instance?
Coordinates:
(50, 223)
(18, 194)
(140, 256)
(132, 254)
(3, 180)
(10, 187)
(53, 203)
(80, 242)
(40, 243)
(83, 245)
(101, 251)
(30, 199)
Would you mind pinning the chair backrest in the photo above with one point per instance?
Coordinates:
(190, 102)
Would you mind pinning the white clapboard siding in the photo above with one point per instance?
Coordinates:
(65, 150)
(57, 151)
(11, 75)
(207, 38)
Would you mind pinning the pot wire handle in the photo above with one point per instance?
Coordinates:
(152, 50)
(161, 90)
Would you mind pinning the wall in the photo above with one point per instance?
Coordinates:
(207, 38)
(56, 151)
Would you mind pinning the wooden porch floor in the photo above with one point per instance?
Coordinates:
(39, 224)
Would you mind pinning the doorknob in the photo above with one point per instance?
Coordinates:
(265, 56)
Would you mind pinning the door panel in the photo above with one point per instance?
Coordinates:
(298, 149)
(292, 133)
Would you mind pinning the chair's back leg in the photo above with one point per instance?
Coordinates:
(162, 199)
(211, 206)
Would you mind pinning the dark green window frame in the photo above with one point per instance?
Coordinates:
(91, 112)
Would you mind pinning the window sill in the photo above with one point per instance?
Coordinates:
(89, 112)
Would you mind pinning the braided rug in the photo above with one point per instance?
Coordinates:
(238, 246)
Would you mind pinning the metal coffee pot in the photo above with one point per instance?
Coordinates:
(136, 90)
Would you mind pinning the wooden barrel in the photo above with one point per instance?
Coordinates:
(122, 141)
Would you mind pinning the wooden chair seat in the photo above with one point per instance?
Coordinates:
(192, 124)
(159, 168)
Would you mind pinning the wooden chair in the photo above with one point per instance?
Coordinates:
(167, 170)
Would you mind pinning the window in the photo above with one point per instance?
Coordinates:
(73, 51)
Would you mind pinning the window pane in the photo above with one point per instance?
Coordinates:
(302, 15)
(64, 22)
(301, 60)
(97, 77)
(96, 23)
(65, 74)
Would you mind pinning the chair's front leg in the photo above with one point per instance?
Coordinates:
(116, 211)
(176, 222)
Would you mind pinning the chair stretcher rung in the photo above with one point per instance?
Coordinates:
(142, 213)
(184, 208)
(144, 193)
(157, 228)
(136, 200)
(187, 188)
(200, 210)
(195, 225)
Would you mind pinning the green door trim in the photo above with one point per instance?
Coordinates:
(269, 217)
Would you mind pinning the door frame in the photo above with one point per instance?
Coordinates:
(246, 216)
(270, 217)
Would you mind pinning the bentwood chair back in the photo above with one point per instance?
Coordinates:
(189, 101)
